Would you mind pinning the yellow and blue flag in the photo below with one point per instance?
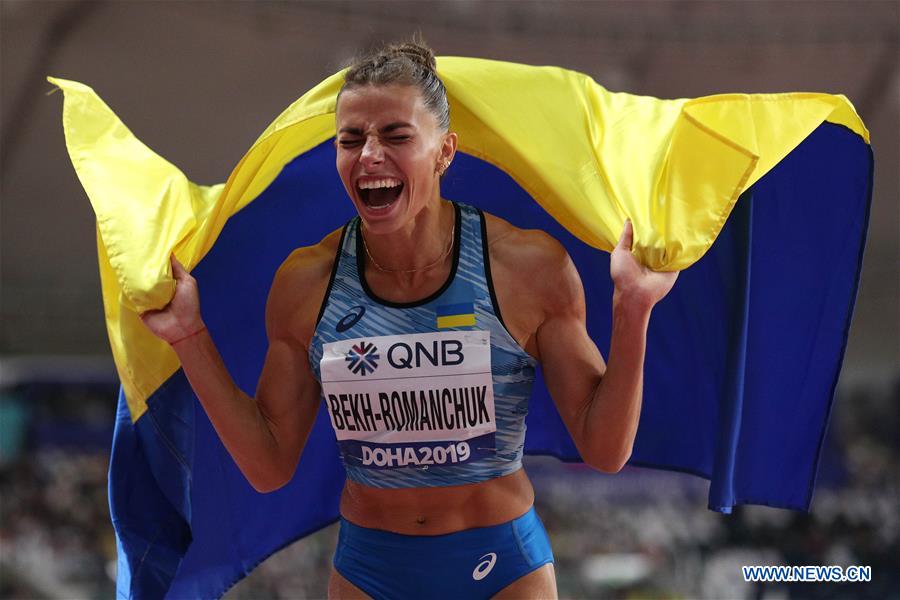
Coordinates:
(764, 196)
(461, 314)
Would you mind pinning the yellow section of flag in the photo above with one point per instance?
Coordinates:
(456, 321)
(590, 157)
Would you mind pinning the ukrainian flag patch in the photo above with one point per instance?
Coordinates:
(456, 315)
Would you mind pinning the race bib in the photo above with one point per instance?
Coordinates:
(411, 400)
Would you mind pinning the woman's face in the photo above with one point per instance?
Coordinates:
(389, 153)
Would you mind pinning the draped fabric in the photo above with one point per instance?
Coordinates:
(764, 196)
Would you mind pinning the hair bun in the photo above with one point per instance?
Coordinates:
(406, 63)
(417, 52)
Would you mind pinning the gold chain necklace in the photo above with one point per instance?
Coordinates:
(426, 267)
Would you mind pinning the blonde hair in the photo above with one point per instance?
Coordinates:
(408, 63)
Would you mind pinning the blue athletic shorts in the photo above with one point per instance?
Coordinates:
(474, 563)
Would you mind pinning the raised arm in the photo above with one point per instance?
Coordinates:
(599, 403)
(265, 436)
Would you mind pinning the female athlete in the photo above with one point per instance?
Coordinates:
(420, 323)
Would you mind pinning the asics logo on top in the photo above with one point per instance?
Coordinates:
(351, 319)
(363, 358)
(484, 567)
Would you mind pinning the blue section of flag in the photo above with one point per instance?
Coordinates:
(742, 361)
(447, 310)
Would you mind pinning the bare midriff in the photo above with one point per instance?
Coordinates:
(438, 510)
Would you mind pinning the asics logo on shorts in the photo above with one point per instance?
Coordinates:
(484, 567)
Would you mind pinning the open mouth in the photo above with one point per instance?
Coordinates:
(379, 193)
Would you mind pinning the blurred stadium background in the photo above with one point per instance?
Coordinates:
(198, 81)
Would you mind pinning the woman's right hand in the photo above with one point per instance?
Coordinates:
(180, 318)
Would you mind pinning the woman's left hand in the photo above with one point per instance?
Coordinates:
(636, 284)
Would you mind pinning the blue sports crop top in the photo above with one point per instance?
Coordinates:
(426, 393)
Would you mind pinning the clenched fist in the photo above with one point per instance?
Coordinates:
(180, 318)
(635, 283)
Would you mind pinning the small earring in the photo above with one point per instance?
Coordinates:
(444, 166)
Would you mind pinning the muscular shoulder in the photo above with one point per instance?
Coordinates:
(536, 263)
(299, 288)
(533, 246)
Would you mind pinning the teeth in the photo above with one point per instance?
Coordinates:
(373, 184)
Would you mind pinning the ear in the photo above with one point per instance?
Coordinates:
(448, 146)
